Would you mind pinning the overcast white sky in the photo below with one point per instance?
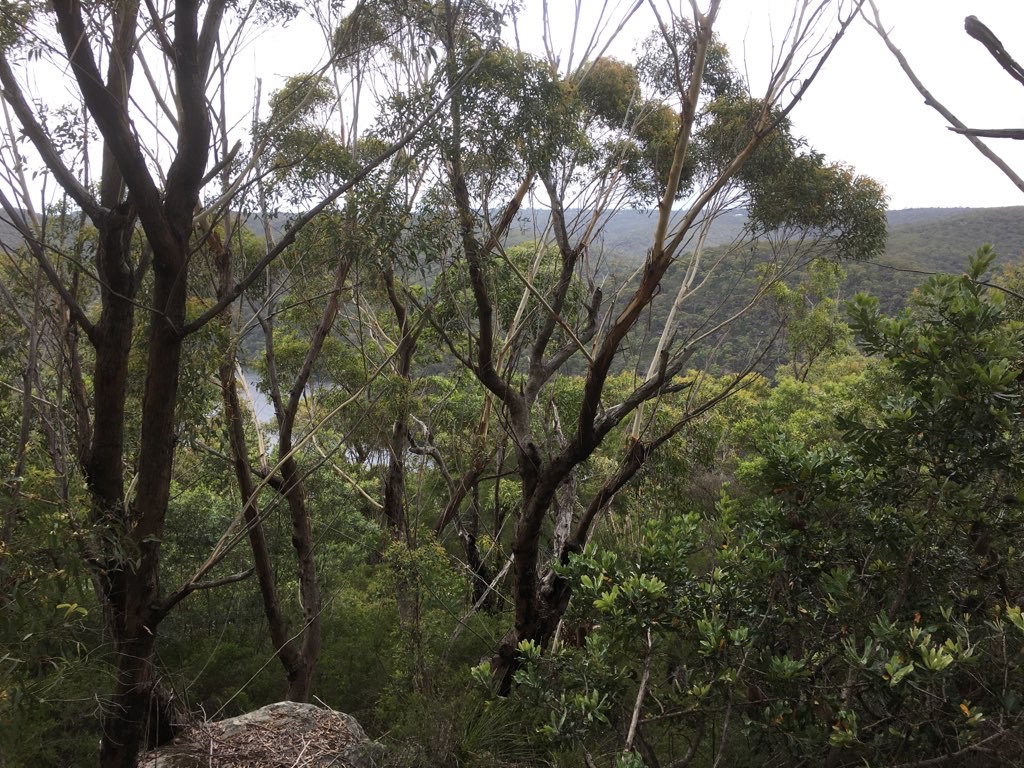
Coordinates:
(864, 111)
(861, 111)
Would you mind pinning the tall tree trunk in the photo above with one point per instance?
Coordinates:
(276, 621)
(262, 564)
(134, 582)
(399, 441)
(407, 591)
(301, 677)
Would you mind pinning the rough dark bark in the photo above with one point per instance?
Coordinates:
(276, 622)
(128, 531)
(292, 489)
(300, 679)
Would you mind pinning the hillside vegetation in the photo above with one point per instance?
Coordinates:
(920, 242)
(529, 491)
(924, 239)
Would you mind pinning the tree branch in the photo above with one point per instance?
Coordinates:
(194, 586)
(186, 172)
(984, 35)
(14, 96)
(659, 257)
(991, 133)
(208, 35)
(301, 221)
(932, 102)
(111, 116)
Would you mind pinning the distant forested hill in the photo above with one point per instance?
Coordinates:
(936, 240)
(940, 241)
(627, 234)
(8, 234)
(921, 239)
(933, 239)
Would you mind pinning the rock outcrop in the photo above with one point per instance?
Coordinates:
(283, 734)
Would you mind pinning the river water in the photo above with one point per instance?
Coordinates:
(261, 403)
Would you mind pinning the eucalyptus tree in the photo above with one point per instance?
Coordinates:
(308, 164)
(364, 331)
(679, 128)
(125, 553)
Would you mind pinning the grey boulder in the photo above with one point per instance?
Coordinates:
(282, 734)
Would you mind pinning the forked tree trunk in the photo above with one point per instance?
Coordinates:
(129, 531)
(133, 582)
(262, 564)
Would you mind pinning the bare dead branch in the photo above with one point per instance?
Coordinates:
(991, 133)
(194, 586)
(986, 37)
(934, 103)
